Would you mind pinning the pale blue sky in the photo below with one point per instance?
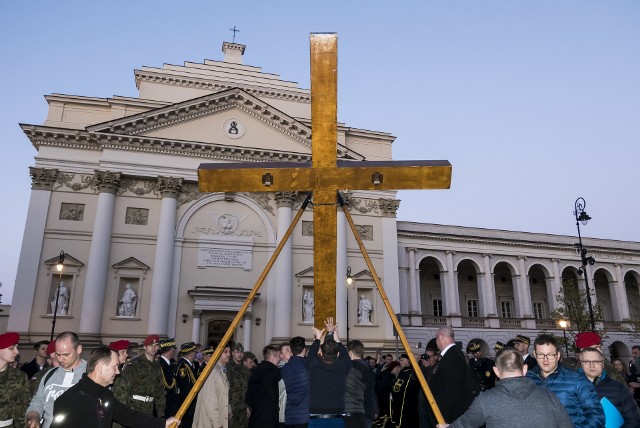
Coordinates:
(534, 103)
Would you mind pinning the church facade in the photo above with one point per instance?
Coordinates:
(114, 186)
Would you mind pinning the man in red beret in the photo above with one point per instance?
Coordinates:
(14, 394)
(122, 348)
(590, 339)
(140, 385)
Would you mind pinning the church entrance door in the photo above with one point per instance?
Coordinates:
(216, 330)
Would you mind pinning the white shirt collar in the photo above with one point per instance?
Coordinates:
(446, 349)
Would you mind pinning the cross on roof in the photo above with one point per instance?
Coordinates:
(234, 33)
(326, 175)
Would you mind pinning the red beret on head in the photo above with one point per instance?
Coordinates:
(587, 339)
(119, 345)
(151, 338)
(8, 339)
(51, 347)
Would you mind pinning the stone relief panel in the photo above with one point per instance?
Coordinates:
(137, 216)
(72, 212)
(365, 231)
(307, 228)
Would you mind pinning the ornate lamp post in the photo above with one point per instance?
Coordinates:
(59, 267)
(582, 217)
(564, 324)
(350, 282)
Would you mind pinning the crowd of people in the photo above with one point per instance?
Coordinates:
(323, 383)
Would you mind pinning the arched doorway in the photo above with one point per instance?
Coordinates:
(505, 301)
(633, 295)
(216, 329)
(431, 288)
(602, 286)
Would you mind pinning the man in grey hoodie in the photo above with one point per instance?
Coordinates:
(515, 401)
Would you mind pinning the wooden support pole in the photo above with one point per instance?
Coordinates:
(414, 364)
(234, 324)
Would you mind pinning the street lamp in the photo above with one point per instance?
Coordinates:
(564, 324)
(350, 282)
(59, 267)
(582, 217)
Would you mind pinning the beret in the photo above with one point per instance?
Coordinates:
(587, 339)
(8, 339)
(119, 345)
(151, 339)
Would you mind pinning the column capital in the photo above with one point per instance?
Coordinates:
(169, 187)
(285, 199)
(450, 252)
(43, 178)
(618, 265)
(106, 181)
(487, 255)
(555, 260)
(411, 249)
(522, 257)
(389, 206)
(196, 313)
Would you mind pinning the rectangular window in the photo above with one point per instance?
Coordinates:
(506, 309)
(437, 307)
(472, 308)
(538, 311)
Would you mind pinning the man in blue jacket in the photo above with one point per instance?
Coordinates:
(573, 389)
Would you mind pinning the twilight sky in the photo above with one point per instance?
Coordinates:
(534, 103)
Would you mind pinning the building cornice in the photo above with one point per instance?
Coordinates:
(209, 85)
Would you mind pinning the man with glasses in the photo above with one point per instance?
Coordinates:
(592, 362)
(140, 385)
(573, 389)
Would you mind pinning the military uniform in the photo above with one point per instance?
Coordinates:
(169, 379)
(14, 389)
(185, 379)
(404, 399)
(482, 366)
(140, 386)
(238, 377)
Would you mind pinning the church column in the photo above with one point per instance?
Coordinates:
(452, 296)
(390, 277)
(341, 279)
(622, 302)
(246, 334)
(195, 329)
(283, 267)
(168, 189)
(42, 181)
(556, 284)
(95, 284)
(413, 297)
(524, 301)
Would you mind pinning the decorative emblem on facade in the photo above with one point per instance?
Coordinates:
(73, 212)
(189, 192)
(137, 187)
(365, 232)
(137, 216)
(233, 128)
(227, 224)
(263, 199)
(307, 228)
(68, 180)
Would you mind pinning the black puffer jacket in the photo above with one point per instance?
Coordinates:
(621, 397)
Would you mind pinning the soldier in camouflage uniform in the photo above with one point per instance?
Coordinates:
(14, 390)
(238, 376)
(139, 386)
(481, 365)
(186, 378)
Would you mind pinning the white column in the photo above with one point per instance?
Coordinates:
(553, 289)
(452, 296)
(168, 189)
(488, 288)
(246, 334)
(524, 300)
(42, 181)
(283, 267)
(97, 267)
(622, 302)
(390, 277)
(413, 298)
(195, 328)
(341, 279)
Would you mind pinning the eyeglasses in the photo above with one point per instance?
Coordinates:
(591, 363)
(546, 356)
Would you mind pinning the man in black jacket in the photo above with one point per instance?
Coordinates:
(360, 404)
(450, 383)
(262, 390)
(90, 403)
(39, 362)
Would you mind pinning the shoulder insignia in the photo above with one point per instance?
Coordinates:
(182, 372)
(487, 373)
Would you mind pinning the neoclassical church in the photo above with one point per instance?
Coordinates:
(114, 187)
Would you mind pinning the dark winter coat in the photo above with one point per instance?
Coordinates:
(296, 382)
(621, 397)
(359, 396)
(327, 381)
(262, 395)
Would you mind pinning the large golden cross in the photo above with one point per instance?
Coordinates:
(325, 175)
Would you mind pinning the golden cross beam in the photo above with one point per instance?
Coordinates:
(325, 175)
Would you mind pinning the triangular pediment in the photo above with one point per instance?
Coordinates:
(232, 117)
(69, 261)
(130, 263)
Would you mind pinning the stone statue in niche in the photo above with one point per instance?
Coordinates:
(364, 310)
(307, 307)
(128, 302)
(62, 296)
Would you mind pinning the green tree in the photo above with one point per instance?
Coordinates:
(573, 308)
